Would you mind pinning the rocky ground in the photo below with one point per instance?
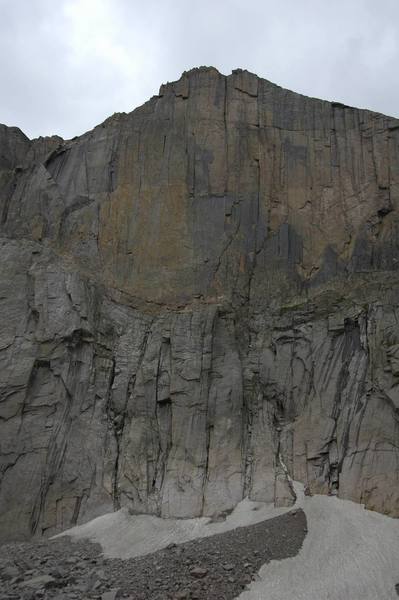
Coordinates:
(217, 567)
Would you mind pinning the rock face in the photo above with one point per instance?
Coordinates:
(197, 298)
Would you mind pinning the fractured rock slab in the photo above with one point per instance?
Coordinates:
(192, 293)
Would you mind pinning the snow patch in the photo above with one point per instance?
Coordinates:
(348, 553)
(122, 535)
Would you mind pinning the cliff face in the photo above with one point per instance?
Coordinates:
(196, 298)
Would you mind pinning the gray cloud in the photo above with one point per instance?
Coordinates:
(67, 65)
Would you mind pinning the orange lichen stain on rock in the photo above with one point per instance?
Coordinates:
(143, 232)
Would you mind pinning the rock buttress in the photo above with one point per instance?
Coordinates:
(195, 298)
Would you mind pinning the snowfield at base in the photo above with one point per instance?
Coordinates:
(122, 535)
(349, 553)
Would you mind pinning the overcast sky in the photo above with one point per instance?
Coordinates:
(66, 65)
